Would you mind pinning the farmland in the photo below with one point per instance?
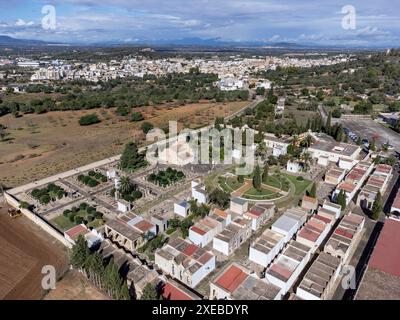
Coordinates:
(25, 250)
(39, 145)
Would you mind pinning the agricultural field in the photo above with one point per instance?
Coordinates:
(40, 145)
(25, 250)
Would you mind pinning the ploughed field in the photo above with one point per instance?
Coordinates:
(25, 249)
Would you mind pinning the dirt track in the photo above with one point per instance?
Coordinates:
(25, 249)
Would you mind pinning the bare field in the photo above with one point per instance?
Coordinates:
(25, 249)
(74, 286)
(41, 145)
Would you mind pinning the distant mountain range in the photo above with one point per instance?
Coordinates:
(6, 40)
(212, 42)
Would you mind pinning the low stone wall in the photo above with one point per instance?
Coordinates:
(38, 220)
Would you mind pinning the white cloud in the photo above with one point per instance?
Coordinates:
(23, 23)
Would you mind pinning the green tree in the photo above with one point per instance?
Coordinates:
(313, 191)
(124, 293)
(341, 199)
(95, 268)
(80, 253)
(328, 124)
(137, 116)
(240, 178)
(146, 127)
(112, 279)
(377, 207)
(372, 145)
(125, 185)
(220, 198)
(257, 178)
(89, 119)
(131, 159)
(265, 174)
(391, 161)
(150, 292)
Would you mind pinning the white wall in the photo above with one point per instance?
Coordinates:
(221, 246)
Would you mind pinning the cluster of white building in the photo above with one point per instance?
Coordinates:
(285, 249)
(235, 67)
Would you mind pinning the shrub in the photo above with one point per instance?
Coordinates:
(78, 219)
(137, 116)
(72, 216)
(146, 127)
(98, 215)
(45, 199)
(91, 173)
(89, 119)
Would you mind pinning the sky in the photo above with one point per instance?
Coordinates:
(376, 23)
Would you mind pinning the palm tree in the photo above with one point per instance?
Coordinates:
(125, 185)
(308, 140)
(295, 140)
(306, 158)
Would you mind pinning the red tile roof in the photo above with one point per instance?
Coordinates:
(190, 249)
(74, 232)
(281, 270)
(171, 292)
(197, 230)
(256, 212)
(386, 254)
(144, 225)
(232, 278)
(324, 219)
(343, 233)
(309, 234)
(348, 187)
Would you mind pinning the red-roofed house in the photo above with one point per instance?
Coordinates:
(236, 282)
(171, 290)
(259, 215)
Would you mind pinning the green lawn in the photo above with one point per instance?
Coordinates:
(229, 184)
(64, 223)
(300, 186)
(262, 194)
(278, 181)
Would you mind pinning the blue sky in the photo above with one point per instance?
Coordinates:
(300, 21)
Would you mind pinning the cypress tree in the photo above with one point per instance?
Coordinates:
(377, 207)
(313, 191)
(80, 253)
(257, 178)
(341, 199)
(265, 174)
(328, 125)
(149, 292)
